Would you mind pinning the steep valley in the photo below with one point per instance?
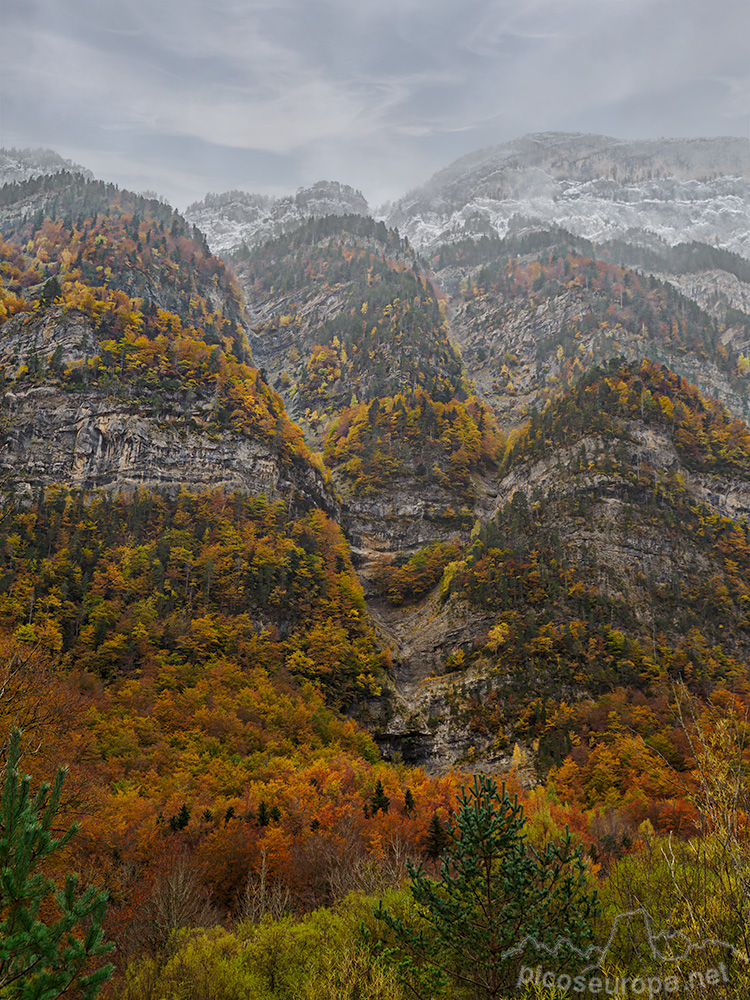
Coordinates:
(294, 539)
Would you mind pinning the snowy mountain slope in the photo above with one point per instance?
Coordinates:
(601, 188)
(18, 165)
(231, 219)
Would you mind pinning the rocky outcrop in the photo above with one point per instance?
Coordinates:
(413, 513)
(18, 165)
(715, 291)
(35, 340)
(594, 186)
(235, 218)
(91, 440)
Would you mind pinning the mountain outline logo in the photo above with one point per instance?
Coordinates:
(655, 941)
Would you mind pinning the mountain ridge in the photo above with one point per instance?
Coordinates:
(126, 347)
(597, 187)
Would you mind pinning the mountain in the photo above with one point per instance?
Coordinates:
(292, 540)
(676, 208)
(125, 352)
(667, 190)
(421, 404)
(350, 280)
(348, 327)
(18, 165)
(615, 557)
(651, 193)
(533, 308)
(531, 313)
(173, 574)
(237, 218)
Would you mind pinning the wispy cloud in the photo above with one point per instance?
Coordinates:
(371, 91)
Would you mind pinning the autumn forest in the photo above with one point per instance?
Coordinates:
(484, 557)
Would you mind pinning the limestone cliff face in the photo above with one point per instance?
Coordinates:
(411, 515)
(519, 351)
(595, 186)
(235, 218)
(715, 291)
(30, 342)
(92, 438)
(623, 549)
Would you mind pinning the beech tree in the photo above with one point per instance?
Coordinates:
(41, 956)
(496, 898)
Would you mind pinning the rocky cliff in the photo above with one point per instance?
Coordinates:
(534, 524)
(594, 186)
(235, 218)
(608, 559)
(91, 440)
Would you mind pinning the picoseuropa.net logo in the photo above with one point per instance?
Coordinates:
(657, 964)
(638, 985)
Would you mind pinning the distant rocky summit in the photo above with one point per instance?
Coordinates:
(18, 165)
(663, 190)
(236, 217)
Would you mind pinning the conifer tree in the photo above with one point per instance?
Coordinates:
(437, 838)
(181, 820)
(41, 959)
(379, 799)
(495, 900)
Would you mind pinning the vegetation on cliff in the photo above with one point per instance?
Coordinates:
(162, 318)
(413, 435)
(347, 317)
(199, 660)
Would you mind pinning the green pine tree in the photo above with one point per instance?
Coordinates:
(181, 820)
(379, 799)
(41, 960)
(495, 899)
(264, 815)
(437, 838)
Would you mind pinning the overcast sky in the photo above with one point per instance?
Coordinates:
(189, 96)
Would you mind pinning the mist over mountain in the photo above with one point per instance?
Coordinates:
(673, 190)
(648, 192)
(23, 164)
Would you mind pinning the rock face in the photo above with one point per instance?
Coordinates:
(594, 186)
(90, 438)
(91, 441)
(715, 291)
(234, 218)
(616, 547)
(404, 519)
(544, 561)
(509, 348)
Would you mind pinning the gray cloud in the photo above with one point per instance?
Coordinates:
(189, 95)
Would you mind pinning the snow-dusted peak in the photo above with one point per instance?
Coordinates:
(236, 217)
(18, 165)
(594, 186)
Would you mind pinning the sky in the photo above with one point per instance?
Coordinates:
(183, 97)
